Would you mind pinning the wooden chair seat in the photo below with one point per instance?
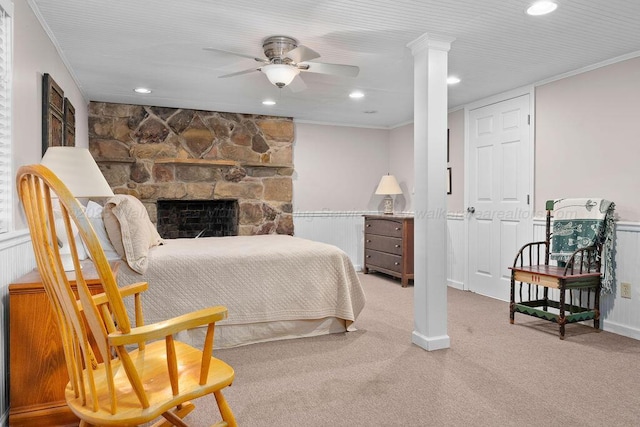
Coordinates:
(553, 276)
(151, 364)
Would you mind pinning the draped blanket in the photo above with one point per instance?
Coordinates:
(579, 223)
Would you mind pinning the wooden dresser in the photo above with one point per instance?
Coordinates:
(38, 372)
(388, 245)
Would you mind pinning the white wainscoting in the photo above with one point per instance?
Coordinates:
(345, 230)
(342, 229)
(455, 251)
(622, 315)
(16, 259)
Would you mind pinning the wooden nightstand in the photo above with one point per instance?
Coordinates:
(37, 368)
(388, 245)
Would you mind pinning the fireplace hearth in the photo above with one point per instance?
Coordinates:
(197, 218)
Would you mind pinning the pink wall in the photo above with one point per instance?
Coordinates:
(338, 167)
(401, 162)
(33, 55)
(587, 142)
(401, 165)
(455, 201)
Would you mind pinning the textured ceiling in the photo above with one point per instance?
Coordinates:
(113, 46)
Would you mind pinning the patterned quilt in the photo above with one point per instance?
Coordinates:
(579, 223)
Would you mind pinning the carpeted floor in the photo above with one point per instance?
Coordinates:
(494, 374)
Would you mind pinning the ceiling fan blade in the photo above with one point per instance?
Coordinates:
(213, 49)
(301, 54)
(335, 69)
(297, 85)
(237, 73)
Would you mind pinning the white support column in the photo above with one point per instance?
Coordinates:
(430, 204)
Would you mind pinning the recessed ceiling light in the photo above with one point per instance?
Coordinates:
(452, 80)
(541, 8)
(356, 94)
(142, 90)
(268, 102)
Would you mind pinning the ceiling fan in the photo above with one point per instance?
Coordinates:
(285, 59)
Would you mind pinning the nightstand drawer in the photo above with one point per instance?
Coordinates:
(391, 245)
(384, 227)
(375, 259)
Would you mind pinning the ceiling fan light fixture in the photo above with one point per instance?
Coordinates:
(280, 74)
(541, 8)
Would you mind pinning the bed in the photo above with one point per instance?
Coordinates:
(274, 286)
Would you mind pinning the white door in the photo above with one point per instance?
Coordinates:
(499, 213)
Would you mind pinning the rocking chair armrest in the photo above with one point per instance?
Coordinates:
(169, 327)
(522, 249)
(125, 291)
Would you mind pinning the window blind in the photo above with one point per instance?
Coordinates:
(6, 181)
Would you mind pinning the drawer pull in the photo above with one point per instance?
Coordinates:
(368, 241)
(368, 225)
(397, 246)
(398, 229)
(396, 263)
(368, 256)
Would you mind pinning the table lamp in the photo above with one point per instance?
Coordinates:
(388, 186)
(77, 169)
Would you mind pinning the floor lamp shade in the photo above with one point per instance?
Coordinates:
(388, 186)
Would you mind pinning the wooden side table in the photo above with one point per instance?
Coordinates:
(37, 368)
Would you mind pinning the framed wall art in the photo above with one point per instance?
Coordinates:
(69, 124)
(448, 146)
(58, 116)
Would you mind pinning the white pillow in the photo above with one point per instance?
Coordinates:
(94, 214)
(130, 230)
(62, 233)
(83, 253)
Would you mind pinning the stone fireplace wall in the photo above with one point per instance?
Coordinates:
(158, 153)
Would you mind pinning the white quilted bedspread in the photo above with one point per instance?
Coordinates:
(258, 278)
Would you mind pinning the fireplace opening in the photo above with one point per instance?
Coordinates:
(197, 218)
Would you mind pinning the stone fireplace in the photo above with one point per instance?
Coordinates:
(163, 154)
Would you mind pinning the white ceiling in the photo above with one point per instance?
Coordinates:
(113, 46)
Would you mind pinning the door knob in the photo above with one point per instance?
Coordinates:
(471, 210)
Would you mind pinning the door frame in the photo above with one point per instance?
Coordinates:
(530, 90)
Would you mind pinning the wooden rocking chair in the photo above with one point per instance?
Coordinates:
(110, 383)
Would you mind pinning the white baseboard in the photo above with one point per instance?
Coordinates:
(455, 284)
(430, 344)
(619, 329)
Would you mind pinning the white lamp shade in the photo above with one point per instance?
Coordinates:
(280, 74)
(77, 169)
(388, 185)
